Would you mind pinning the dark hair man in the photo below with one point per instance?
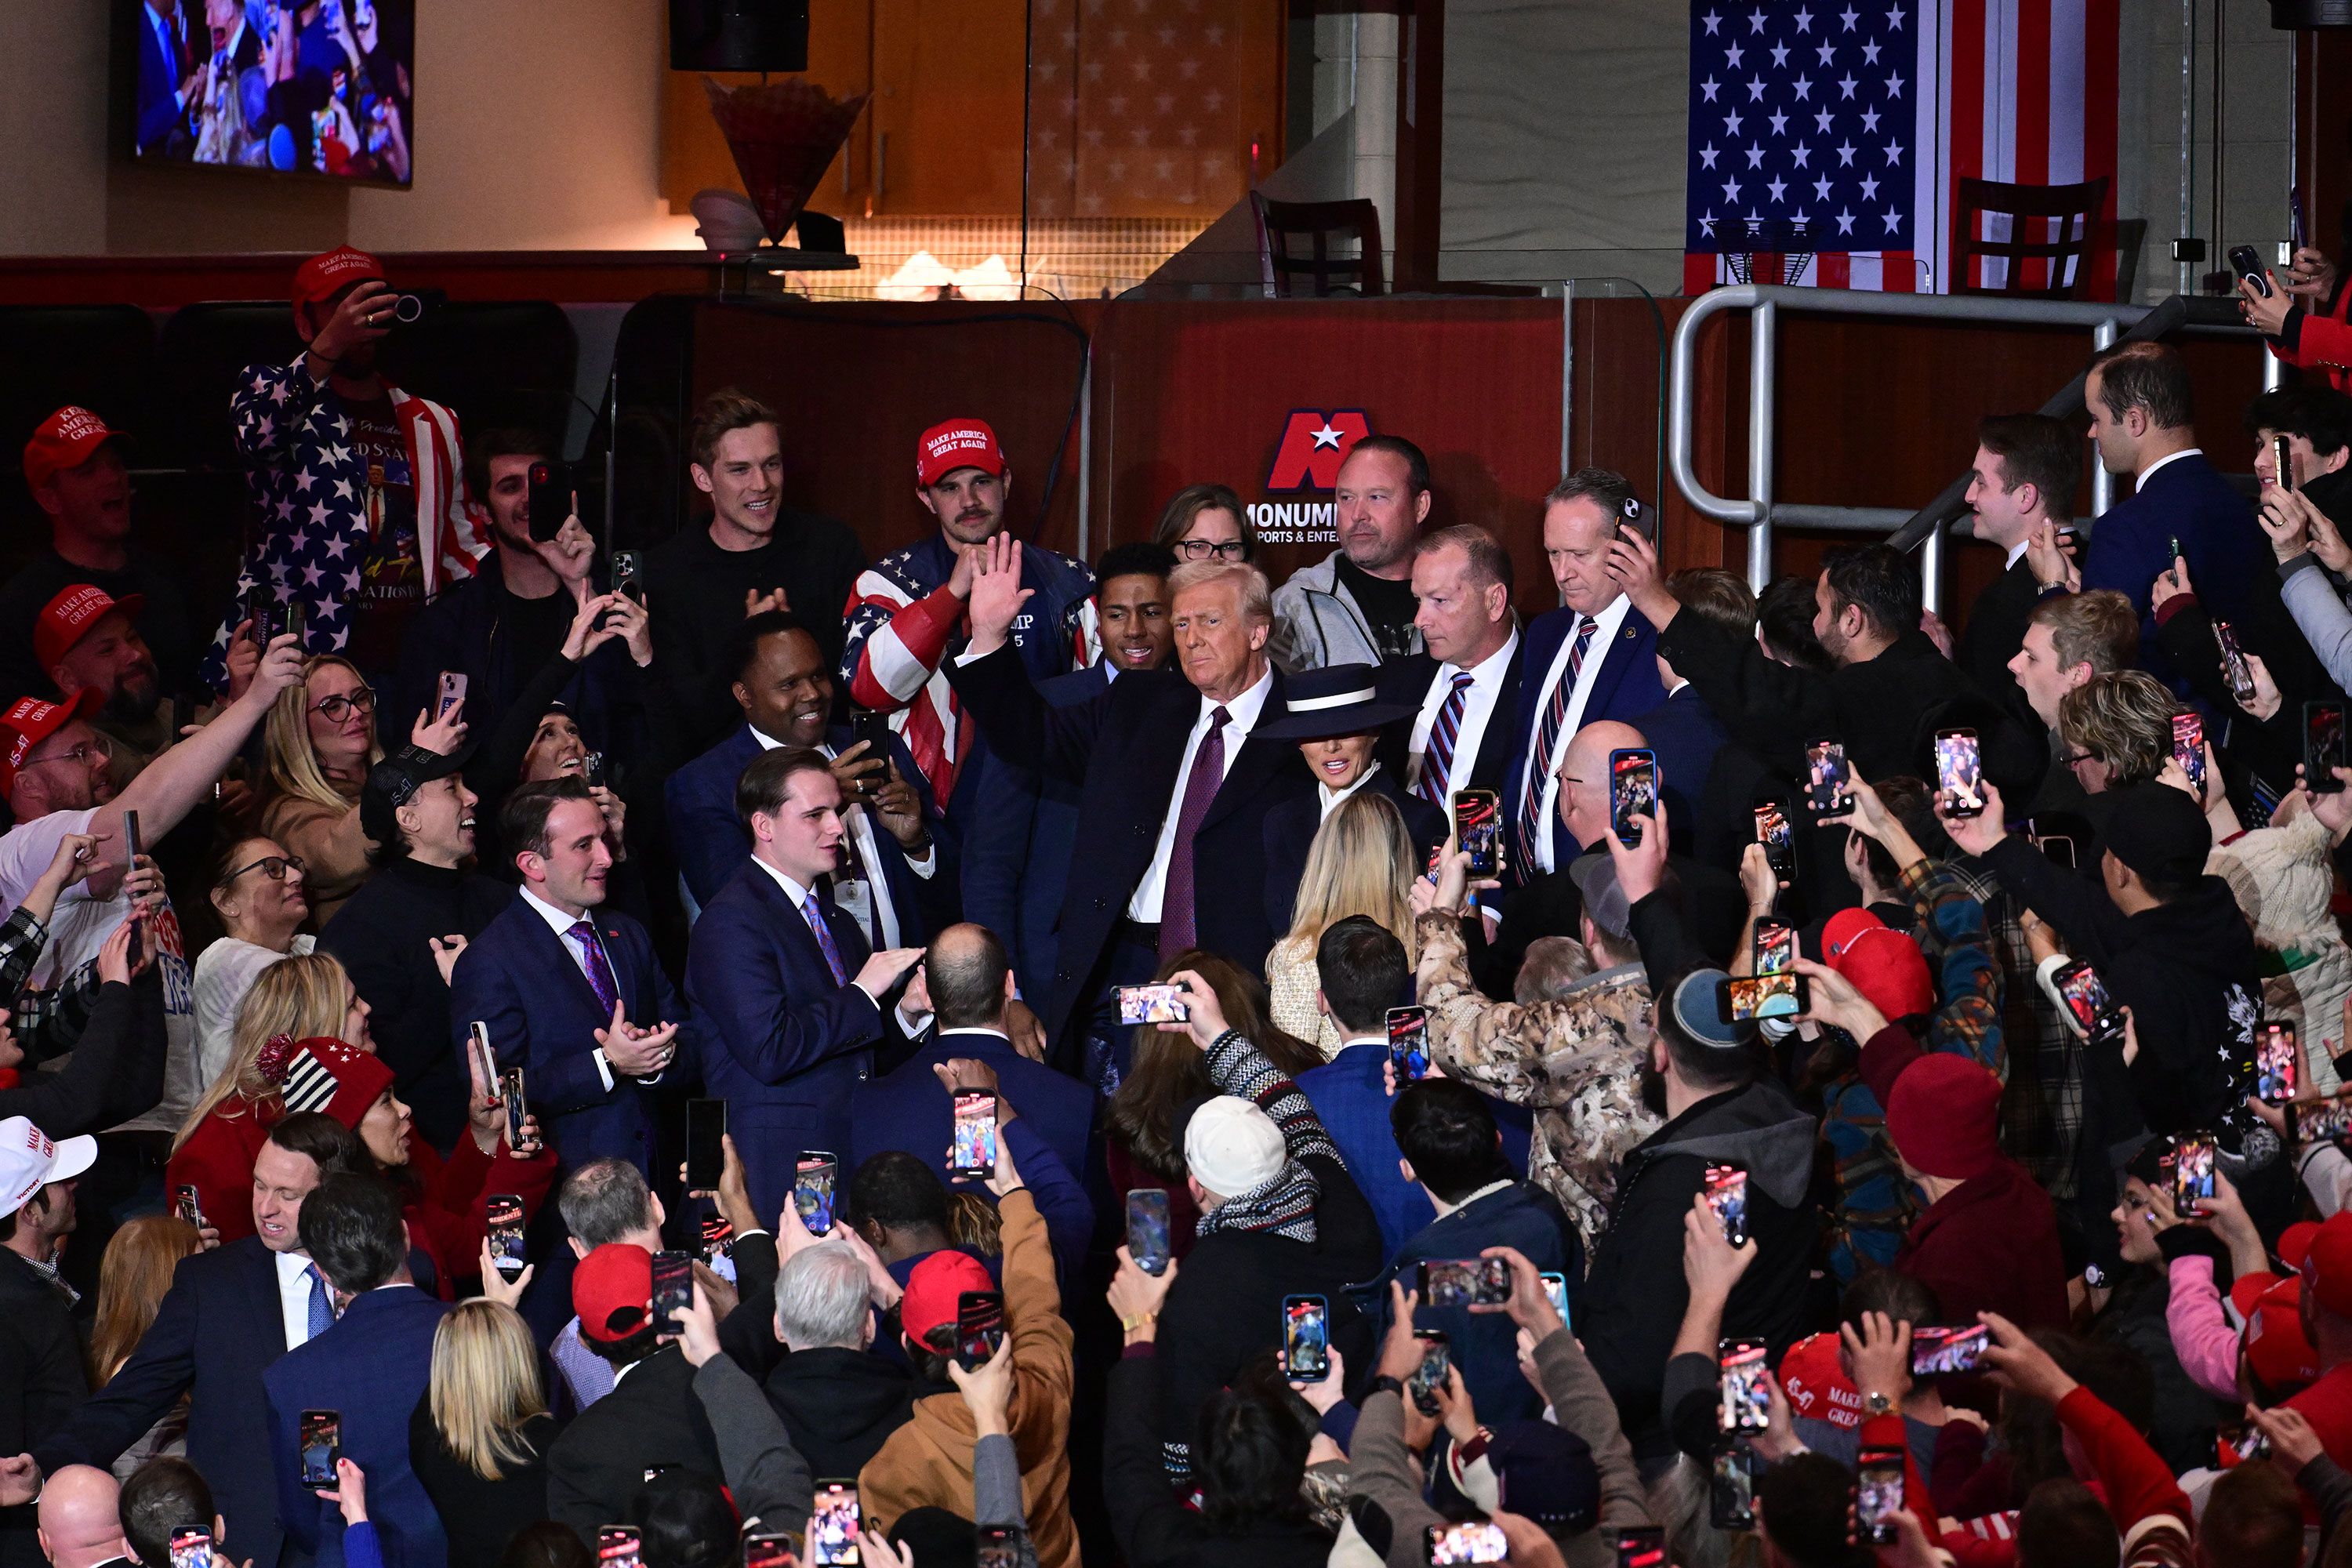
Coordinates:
(1356, 606)
(357, 487)
(2021, 490)
(86, 641)
(2141, 420)
(163, 1496)
(906, 605)
(755, 551)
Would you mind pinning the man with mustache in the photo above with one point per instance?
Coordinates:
(87, 640)
(906, 613)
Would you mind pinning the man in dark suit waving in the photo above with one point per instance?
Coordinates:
(789, 997)
(1172, 776)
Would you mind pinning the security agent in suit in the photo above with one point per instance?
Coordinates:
(1336, 724)
(784, 684)
(2021, 489)
(1470, 644)
(229, 1314)
(1590, 660)
(371, 1367)
(1145, 820)
(789, 999)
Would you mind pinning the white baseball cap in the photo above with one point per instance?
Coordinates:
(1232, 1147)
(30, 1159)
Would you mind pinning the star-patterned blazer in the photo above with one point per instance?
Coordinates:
(309, 531)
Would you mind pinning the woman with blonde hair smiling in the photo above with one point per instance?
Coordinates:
(317, 747)
(1360, 863)
(479, 1440)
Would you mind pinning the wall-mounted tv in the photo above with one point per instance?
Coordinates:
(319, 88)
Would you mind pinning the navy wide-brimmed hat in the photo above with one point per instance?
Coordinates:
(1338, 700)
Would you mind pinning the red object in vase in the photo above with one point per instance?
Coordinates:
(783, 134)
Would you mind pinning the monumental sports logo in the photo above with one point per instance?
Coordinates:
(1307, 458)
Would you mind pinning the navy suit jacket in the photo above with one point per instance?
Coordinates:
(1290, 830)
(781, 1041)
(1125, 749)
(1350, 1096)
(1685, 734)
(218, 1331)
(372, 1367)
(907, 1109)
(159, 83)
(1408, 680)
(710, 842)
(1017, 843)
(1626, 687)
(519, 978)
(1486, 1345)
(2190, 501)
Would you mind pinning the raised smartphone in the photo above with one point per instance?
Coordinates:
(320, 1435)
(1477, 820)
(1877, 1494)
(2188, 749)
(1555, 1286)
(628, 575)
(979, 1326)
(1946, 1351)
(503, 1220)
(1306, 1338)
(485, 1061)
(2192, 1173)
(1146, 1229)
(1642, 1546)
(1959, 773)
(619, 1546)
(1632, 792)
(706, 1148)
(1746, 1403)
(1464, 1281)
(549, 500)
(1161, 1003)
(2312, 1121)
(1775, 948)
(1467, 1541)
(1773, 832)
(1436, 1360)
(2275, 1060)
(2247, 263)
(776, 1549)
(2092, 1011)
(833, 1524)
(812, 1182)
(1732, 1501)
(185, 1205)
(450, 694)
(1781, 995)
(517, 1108)
(2239, 674)
(973, 1152)
(1726, 1195)
(192, 1548)
(673, 1290)
(1829, 779)
(2323, 746)
(1409, 1043)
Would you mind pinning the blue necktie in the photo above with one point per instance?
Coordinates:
(322, 1304)
(823, 934)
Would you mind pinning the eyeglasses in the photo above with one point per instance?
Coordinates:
(79, 755)
(2078, 759)
(341, 707)
(273, 867)
(1201, 548)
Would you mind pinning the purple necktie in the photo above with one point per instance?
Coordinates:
(1177, 925)
(814, 912)
(1542, 762)
(599, 968)
(1437, 760)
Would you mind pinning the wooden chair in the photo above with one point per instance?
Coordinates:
(2049, 248)
(1283, 226)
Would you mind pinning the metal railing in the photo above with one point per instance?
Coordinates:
(1760, 508)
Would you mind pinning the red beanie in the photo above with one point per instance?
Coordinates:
(1883, 963)
(1945, 1116)
(326, 1074)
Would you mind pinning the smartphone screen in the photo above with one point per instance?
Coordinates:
(1409, 1043)
(1782, 995)
(1555, 1286)
(2192, 1173)
(502, 1218)
(2275, 1060)
(2314, 1120)
(192, 1548)
(592, 770)
(1773, 832)
(1470, 1541)
(1436, 1360)
(975, 1136)
(1959, 784)
(517, 1108)
(321, 1435)
(2240, 675)
(1632, 792)
(451, 694)
(1733, 1502)
(1775, 948)
(1745, 1403)
(813, 1190)
(1877, 1494)
(1152, 1004)
(706, 1154)
(2188, 748)
(979, 1326)
(996, 1546)
(1726, 1194)
(672, 1289)
(1942, 1352)
(2323, 746)
(834, 1524)
(777, 1549)
(619, 1546)
(1828, 784)
(1146, 1229)
(1477, 819)
(2087, 1001)
(1306, 1338)
(1645, 1547)
(185, 1205)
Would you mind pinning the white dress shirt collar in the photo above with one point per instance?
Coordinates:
(1331, 797)
(1490, 669)
(792, 889)
(557, 920)
(2145, 474)
(1241, 713)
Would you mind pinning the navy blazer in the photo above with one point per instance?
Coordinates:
(1017, 843)
(781, 1041)
(1626, 687)
(2188, 499)
(1486, 1345)
(1125, 750)
(372, 1367)
(907, 1108)
(160, 111)
(1408, 680)
(1685, 734)
(520, 978)
(711, 841)
(217, 1331)
(1291, 827)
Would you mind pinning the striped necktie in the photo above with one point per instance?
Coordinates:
(1542, 761)
(1437, 760)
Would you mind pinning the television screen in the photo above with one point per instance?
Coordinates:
(324, 88)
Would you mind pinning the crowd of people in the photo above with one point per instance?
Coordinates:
(514, 1058)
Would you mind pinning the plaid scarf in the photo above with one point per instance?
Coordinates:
(1284, 1204)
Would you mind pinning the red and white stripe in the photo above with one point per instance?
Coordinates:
(458, 538)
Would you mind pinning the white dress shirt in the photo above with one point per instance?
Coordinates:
(866, 901)
(561, 924)
(1478, 710)
(1596, 653)
(1241, 715)
(294, 1296)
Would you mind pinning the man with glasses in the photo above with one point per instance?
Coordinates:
(2070, 639)
(906, 612)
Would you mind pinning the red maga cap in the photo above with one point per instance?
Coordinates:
(933, 1288)
(613, 1291)
(958, 443)
(68, 618)
(67, 439)
(30, 720)
(316, 280)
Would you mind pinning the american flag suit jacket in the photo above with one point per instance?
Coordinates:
(309, 484)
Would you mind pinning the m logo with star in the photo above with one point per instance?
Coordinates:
(1313, 446)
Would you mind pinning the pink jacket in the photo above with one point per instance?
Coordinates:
(2203, 1336)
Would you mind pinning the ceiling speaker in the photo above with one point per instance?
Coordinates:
(742, 35)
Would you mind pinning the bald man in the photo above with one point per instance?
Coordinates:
(1548, 904)
(80, 1524)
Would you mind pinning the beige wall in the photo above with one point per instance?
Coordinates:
(538, 128)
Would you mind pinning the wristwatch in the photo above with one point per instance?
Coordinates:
(1876, 1404)
(1383, 1383)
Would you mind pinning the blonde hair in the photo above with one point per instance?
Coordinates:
(304, 996)
(485, 1386)
(2125, 720)
(1256, 593)
(132, 1279)
(1360, 864)
(289, 765)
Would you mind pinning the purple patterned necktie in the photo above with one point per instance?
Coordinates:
(599, 968)
(814, 912)
(1437, 760)
(1178, 925)
(1547, 736)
